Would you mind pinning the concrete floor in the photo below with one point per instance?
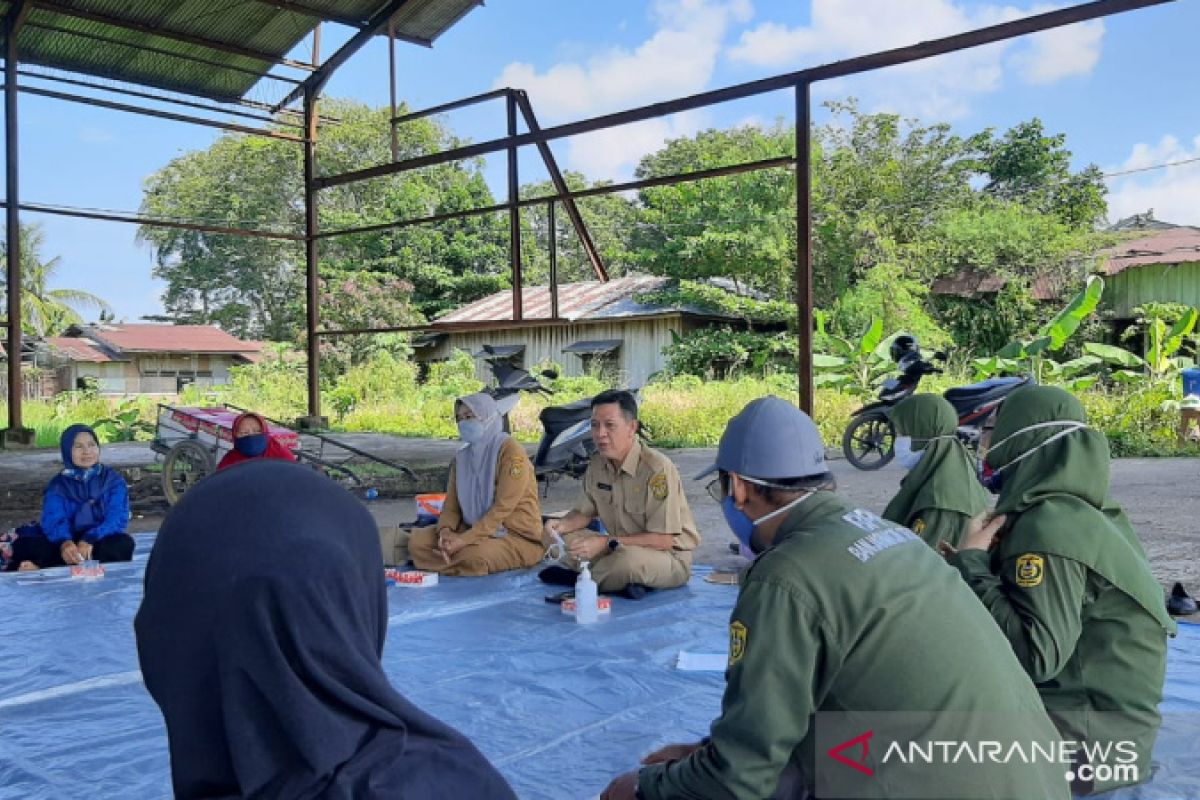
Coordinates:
(1160, 495)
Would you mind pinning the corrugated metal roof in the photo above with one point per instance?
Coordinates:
(590, 300)
(88, 37)
(166, 339)
(968, 283)
(78, 349)
(594, 346)
(1172, 246)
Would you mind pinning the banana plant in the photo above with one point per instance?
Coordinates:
(854, 366)
(1030, 355)
(1159, 361)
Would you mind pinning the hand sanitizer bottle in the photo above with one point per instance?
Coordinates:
(586, 611)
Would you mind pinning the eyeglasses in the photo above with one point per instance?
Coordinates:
(718, 488)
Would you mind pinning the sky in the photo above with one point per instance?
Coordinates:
(1119, 88)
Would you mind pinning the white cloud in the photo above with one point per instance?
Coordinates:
(1173, 192)
(678, 59)
(612, 154)
(90, 134)
(940, 86)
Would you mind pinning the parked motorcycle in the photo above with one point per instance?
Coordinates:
(566, 445)
(870, 436)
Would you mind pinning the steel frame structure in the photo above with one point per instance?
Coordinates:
(308, 92)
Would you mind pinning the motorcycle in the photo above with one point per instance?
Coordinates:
(566, 445)
(870, 436)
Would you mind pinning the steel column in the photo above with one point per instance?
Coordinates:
(392, 88)
(312, 278)
(552, 238)
(804, 271)
(514, 212)
(12, 25)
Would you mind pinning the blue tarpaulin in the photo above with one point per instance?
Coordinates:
(558, 708)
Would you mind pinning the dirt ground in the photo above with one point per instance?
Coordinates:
(1160, 496)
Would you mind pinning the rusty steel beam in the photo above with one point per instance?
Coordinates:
(665, 180)
(150, 112)
(514, 212)
(107, 216)
(902, 55)
(451, 106)
(169, 33)
(148, 96)
(13, 21)
(560, 184)
(552, 241)
(395, 135)
(315, 82)
(804, 266)
(312, 279)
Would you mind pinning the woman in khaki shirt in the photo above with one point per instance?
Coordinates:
(491, 520)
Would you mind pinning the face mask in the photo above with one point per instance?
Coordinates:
(994, 482)
(741, 524)
(470, 430)
(251, 446)
(905, 456)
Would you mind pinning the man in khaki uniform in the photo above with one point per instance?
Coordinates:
(637, 494)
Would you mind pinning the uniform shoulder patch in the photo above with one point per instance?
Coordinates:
(659, 487)
(737, 642)
(515, 467)
(1031, 568)
(918, 527)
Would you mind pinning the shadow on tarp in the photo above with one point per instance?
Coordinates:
(558, 708)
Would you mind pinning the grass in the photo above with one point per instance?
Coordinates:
(684, 412)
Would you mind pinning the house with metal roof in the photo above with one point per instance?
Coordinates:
(1162, 266)
(607, 328)
(146, 359)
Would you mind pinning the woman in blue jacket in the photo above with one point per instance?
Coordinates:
(85, 510)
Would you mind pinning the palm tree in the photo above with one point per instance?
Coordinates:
(46, 311)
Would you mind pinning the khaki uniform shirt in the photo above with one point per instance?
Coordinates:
(643, 495)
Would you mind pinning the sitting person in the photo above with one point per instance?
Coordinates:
(85, 511)
(636, 494)
(260, 636)
(941, 490)
(1064, 575)
(252, 439)
(491, 520)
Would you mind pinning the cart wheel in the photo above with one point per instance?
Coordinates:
(186, 464)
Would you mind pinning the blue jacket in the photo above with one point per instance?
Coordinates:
(88, 506)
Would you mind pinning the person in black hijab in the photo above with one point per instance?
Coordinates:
(260, 637)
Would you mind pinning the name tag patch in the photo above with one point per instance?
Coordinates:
(881, 534)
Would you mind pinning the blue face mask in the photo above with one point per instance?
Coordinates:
(741, 525)
(470, 430)
(251, 446)
(993, 482)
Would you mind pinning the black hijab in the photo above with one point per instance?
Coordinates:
(259, 637)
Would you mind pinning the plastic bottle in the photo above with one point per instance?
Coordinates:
(586, 611)
(371, 493)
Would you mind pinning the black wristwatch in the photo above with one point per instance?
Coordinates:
(613, 544)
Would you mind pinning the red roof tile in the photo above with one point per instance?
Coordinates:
(1172, 246)
(149, 338)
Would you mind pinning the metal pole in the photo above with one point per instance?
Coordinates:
(553, 259)
(12, 24)
(514, 212)
(804, 286)
(312, 279)
(392, 85)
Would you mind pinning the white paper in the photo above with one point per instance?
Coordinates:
(702, 662)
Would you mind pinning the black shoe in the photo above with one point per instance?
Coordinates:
(636, 591)
(1180, 603)
(558, 576)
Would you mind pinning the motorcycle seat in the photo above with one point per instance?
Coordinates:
(567, 413)
(983, 391)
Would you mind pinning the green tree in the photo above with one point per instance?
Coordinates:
(253, 286)
(1026, 165)
(46, 311)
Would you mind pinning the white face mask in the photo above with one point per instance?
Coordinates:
(905, 456)
(1071, 426)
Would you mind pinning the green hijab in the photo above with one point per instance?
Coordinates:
(1056, 496)
(944, 478)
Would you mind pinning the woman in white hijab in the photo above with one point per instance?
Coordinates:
(491, 520)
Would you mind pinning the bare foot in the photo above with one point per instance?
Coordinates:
(27, 566)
